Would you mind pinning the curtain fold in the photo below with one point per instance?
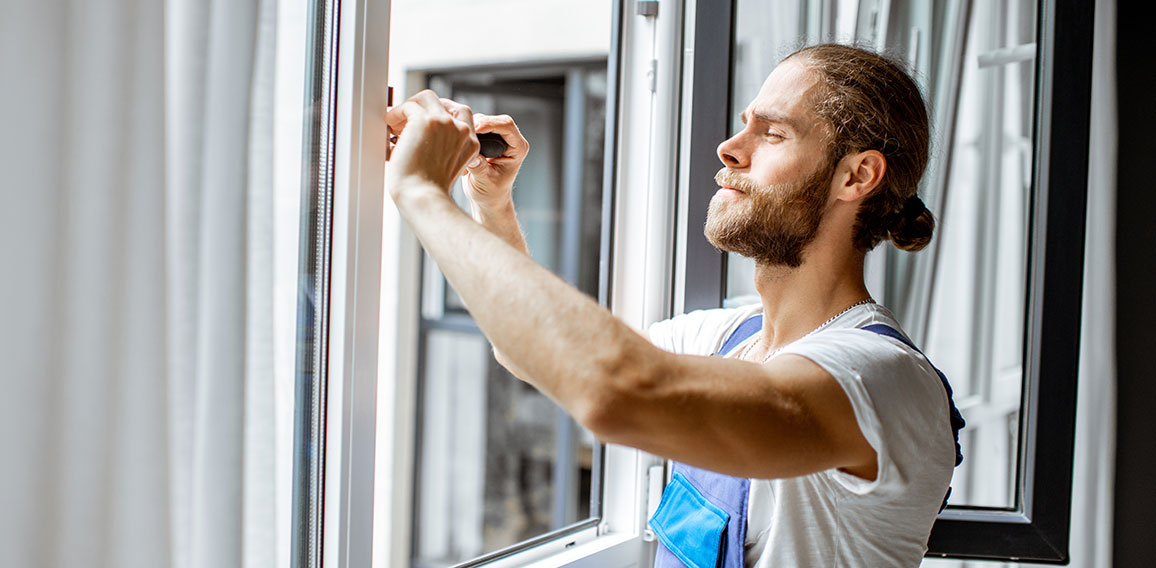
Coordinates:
(219, 82)
(85, 480)
(259, 538)
(210, 387)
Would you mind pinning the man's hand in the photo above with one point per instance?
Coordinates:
(435, 141)
(491, 180)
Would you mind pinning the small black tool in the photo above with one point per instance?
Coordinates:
(492, 144)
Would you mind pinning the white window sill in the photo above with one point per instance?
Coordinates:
(610, 551)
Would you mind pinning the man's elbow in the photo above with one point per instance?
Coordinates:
(614, 406)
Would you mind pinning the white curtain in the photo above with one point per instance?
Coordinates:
(137, 398)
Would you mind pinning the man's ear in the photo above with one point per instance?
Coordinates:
(859, 174)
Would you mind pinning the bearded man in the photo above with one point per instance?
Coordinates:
(806, 430)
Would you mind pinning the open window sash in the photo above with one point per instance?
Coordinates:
(1036, 527)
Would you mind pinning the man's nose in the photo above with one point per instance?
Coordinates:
(732, 153)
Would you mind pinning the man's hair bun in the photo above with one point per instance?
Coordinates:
(913, 225)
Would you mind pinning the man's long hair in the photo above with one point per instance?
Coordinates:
(871, 103)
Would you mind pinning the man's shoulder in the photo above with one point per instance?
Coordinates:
(881, 345)
(888, 367)
(870, 328)
(699, 332)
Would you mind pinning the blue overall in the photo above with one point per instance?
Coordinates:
(701, 521)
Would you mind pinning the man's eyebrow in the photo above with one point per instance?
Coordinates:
(772, 117)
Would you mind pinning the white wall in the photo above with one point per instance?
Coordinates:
(437, 33)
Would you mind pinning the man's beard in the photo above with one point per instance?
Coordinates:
(772, 223)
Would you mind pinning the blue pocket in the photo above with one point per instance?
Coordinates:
(689, 525)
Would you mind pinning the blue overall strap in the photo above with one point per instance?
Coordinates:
(746, 329)
(957, 422)
(701, 521)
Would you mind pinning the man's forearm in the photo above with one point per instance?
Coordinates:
(561, 341)
(501, 220)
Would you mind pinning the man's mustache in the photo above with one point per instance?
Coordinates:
(729, 178)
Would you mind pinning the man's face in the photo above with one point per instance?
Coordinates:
(775, 183)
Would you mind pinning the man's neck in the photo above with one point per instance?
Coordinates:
(798, 300)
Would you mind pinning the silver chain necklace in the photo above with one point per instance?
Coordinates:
(743, 356)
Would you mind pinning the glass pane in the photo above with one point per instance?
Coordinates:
(962, 298)
(975, 317)
(499, 463)
(530, 468)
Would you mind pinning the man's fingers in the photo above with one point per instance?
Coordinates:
(432, 119)
(424, 105)
(400, 115)
(437, 107)
(494, 123)
(504, 126)
(429, 100)
(459, 111)
(464, 118)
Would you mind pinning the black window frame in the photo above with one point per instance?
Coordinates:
(1038, 529)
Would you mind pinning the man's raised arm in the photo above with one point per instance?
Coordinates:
(781, 419)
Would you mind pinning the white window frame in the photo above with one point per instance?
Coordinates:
(647, 212)
(351, 409)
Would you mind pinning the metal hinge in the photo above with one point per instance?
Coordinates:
(647, 8)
